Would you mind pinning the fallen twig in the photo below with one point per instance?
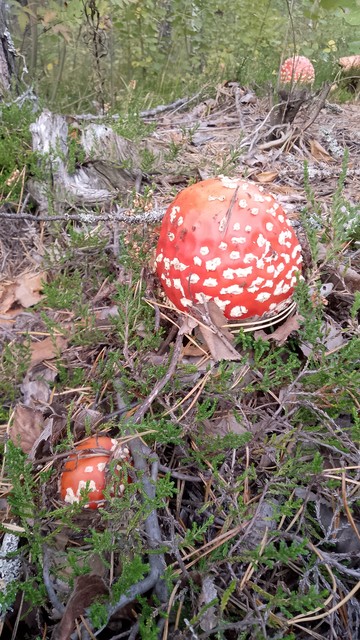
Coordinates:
(119, 215)
(321, 102)
(58, 606)
(145, 406)
(147, 113)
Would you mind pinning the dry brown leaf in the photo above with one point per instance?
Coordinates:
(106, 291)
(26, 427)
(28, 289)
(331, 338)
(223, 425)
(333, 335)
(344, 538)
(255, 160)
(45, 436)
(248, 98)
(192, 350)
(7, 296)
(209, 619)
(286, 190)
(266, 176)
(107, 312)
(35, 387)
(85, 419)
(319, 153)
(17, 295)
(35, 393)
(218, 339)
(46, 349)
(281, 334)
(188, 325)
(351, 278)
(9, 318)
(156, 359)
(217, 318)
(87, 588)
(264, 519)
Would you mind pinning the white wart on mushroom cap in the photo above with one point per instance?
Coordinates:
(298, 70)
(229, 241)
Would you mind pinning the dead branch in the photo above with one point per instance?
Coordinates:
(97, 179)
(119, 215)
(319, 104)
(145, 406)
(58, 606)
(147, 113)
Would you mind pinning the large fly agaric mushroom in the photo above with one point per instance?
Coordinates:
(297, 70)
(85, 470)
(226, 240)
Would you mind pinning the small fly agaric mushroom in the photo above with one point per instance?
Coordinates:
(297, 70)
(226, 240)
(84, 472)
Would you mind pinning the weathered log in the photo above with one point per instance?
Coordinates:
(110, 167)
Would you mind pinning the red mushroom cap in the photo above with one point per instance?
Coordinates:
(349, 63)
(297, 69)
(86, 469)
(226, 240)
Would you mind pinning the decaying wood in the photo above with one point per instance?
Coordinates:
(111, 165)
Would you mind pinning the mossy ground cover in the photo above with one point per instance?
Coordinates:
(241, 519)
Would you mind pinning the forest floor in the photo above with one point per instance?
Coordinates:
(241, 515)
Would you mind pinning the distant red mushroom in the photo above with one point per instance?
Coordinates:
(297, 70)
(86, 469)
(227, 240)
(351, 72)
(350, 63)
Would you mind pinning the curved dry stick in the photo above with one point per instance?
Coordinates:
(135, 590)
(145, 406)
(161, 108)
(58, 606)
(141, 454)
(284, 137)
(119, 215)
